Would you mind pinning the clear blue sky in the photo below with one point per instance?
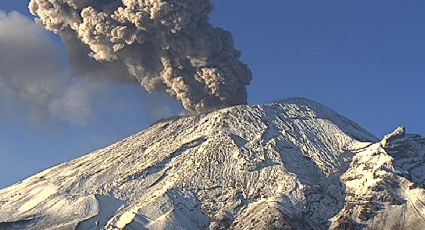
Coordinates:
(364, 59)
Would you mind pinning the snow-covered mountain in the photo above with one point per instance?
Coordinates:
(289, 165)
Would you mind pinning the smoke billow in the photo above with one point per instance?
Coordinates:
(165, 44)
(37, 83)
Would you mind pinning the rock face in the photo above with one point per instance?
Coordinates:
(289, 165)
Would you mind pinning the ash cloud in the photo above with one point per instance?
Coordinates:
(32, 74)
(42, 82)
(166, 45)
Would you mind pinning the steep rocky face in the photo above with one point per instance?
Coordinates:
(385, 185)
(289, 165)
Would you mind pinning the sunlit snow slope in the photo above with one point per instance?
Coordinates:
(289, 165)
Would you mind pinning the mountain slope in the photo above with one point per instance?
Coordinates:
(289, 165)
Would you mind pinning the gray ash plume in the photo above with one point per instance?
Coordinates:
(165, 44)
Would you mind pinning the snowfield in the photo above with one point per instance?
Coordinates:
(289, 165)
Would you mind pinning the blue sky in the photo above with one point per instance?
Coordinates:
(364, 59)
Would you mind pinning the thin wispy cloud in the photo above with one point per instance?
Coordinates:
(53, 83)
(33, 74)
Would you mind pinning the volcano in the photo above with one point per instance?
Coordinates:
(294, 164)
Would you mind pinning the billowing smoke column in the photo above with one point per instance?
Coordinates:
(166, 45)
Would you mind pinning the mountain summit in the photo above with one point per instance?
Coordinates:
(289, 165)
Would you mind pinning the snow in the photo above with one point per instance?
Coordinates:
(292, 164)
(36, 196)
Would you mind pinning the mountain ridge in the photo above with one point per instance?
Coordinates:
(286, 165)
